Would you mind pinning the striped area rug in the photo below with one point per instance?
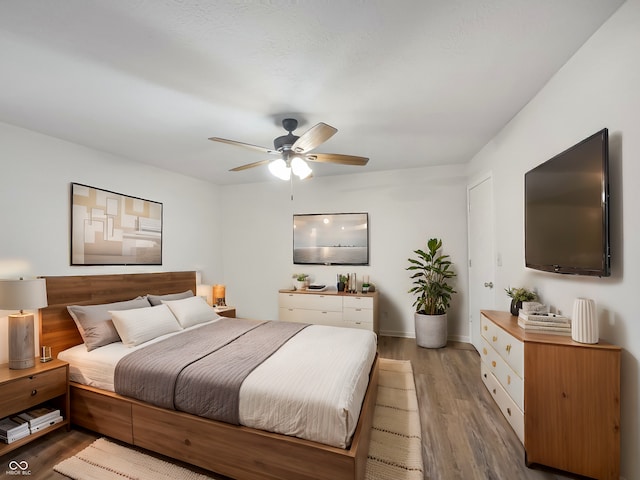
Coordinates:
(395, 452)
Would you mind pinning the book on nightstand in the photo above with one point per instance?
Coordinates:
(40, 417)
(11, 430)
(42, 425)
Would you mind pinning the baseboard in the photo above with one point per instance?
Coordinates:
(451, 338)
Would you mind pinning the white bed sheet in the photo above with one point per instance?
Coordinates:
(311, 388)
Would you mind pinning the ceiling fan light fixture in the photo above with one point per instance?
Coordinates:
(278, 168)
(300, 168)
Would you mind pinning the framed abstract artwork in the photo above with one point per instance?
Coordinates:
(109, 228)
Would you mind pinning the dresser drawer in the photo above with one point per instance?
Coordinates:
(27, 392)
(510, 380)
(360, 325)
(507, 406)
(357, 315)
(287, 314)
(507, 346)
(488, 329)
(331, 303)
(320, 317)
(358, 302)
(512, 350)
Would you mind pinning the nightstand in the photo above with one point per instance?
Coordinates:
(226, 311)
(23, 389)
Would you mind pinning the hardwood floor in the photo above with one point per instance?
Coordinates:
(464, 435)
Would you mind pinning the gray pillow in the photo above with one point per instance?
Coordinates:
(157, 299)
(94, 321)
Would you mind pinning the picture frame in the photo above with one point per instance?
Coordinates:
(109, 228)
(331, 239)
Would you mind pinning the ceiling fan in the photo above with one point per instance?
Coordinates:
(293, 151)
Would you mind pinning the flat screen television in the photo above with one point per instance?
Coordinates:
(331, 239)
(567, 210)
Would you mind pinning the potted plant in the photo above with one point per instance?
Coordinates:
(342, 282)
(432, 271)
(301, 281)
(519, 295)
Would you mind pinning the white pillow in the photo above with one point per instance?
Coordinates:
(191, 311)
(143, 324)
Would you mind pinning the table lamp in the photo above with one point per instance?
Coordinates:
(22, 295)
(219, 294)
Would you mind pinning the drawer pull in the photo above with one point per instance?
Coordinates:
(509, 411)
(493, 364)
(494, 391)
(508, 379)
(358, 323)
(508, 348)
(358, 309)
(495, 339)
(486, 328)
(484, 350)
(34, 392)
(485, 375)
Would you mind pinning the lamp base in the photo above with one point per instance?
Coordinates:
(22, 352)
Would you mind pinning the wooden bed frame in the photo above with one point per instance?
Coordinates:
(235, 451)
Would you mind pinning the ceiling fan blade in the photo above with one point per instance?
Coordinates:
(245, 145)
(313, 137)
(250, 165)
(337, 158)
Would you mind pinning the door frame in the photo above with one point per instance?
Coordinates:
(473, 182)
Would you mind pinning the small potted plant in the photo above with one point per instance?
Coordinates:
(342, 282)
(519, 295)
(301, 281)
(365, 287)
(432, 272)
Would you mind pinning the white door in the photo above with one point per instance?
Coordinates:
(481, 253)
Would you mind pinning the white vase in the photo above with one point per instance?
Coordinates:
(584, 324)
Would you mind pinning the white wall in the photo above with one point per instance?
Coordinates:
(36, 171)
(598, 87)
(406, 207)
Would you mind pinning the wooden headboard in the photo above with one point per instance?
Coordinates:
(57, 328)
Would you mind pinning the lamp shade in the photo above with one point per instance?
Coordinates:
(23, 294)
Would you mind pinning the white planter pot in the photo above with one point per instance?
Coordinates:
(431, 330)
(301, 285)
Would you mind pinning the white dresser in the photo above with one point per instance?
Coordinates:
(330, 308)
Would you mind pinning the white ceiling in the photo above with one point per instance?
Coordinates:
(407, 83)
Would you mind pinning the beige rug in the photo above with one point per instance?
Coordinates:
(394, 453)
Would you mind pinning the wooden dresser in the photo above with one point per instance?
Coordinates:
(330, 308)
(562, 398)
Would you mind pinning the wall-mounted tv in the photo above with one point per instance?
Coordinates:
(331, 239)
(567, 210)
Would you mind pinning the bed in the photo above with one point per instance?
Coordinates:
(239, 451)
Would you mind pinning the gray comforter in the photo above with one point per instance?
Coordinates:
(200, 371)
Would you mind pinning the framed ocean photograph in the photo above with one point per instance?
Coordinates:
(109, 228)
(331, 239)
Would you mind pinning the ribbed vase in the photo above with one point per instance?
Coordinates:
(584, 324)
